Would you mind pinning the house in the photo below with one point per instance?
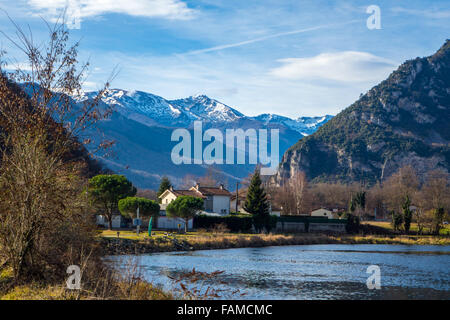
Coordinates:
(118, 221)
(242, 194)
(216, 199)
(322, 212)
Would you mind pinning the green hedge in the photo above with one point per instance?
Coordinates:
(236, 223)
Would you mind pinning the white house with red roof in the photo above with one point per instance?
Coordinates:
(216, 199)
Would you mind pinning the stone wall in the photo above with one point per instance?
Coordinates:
(330, 227)
(290, 226)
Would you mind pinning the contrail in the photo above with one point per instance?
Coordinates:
(242, 43)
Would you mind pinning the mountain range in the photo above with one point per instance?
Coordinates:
(402, 121)
(142, 125)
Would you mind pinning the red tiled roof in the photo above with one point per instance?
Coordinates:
(191, 193)
(213, 191)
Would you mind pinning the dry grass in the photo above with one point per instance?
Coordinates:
(237, 241)
(203, 240)
(127, 284)
(414, 228)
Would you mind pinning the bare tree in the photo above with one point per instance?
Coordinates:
(404, 182)
(44, 221)
(436, 190)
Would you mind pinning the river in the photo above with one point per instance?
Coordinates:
(308, 271)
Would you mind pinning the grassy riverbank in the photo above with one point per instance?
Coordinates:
(129, 243)
(129, 287)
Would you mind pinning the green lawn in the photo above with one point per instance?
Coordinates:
(131, 234)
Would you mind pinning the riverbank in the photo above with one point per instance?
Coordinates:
(207, 241)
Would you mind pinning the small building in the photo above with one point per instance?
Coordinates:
(322, 212)
(168, 223)
(216, 199)
(118, 221)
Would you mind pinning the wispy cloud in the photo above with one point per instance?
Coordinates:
(432, 14)
(170, 9)
(345, 66)
(259, 39)
(13, 66)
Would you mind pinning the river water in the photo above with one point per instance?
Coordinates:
(308, 271)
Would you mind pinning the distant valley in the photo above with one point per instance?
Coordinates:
(142, 125)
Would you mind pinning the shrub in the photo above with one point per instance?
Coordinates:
(397, 220)
(235, 223)
(352, 225)
(272, 223)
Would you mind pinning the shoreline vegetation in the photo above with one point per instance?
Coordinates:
(129, 243)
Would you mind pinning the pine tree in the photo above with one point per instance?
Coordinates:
(351, 206)
(256, 203)
(164, 185)
(407, 214)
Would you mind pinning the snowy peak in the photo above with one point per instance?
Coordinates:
(144, 107)
(151, 109)
(207, 109)
(303, 125)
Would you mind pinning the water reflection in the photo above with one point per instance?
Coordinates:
(314, 271)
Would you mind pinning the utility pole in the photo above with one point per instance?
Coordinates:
(237, 195)
(137, 221)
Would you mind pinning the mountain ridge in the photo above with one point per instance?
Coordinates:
(401, 121)
(142, 125)
(182, 112)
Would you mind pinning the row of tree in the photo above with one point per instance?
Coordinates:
(404, 197)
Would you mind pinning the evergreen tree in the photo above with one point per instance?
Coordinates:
(164, 185)
(397, 220)
(351, 206)
(257, 204)
(185, 207)
(360, 200)
(407, 214)
(105, 191)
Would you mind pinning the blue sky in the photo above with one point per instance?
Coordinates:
(295, 58)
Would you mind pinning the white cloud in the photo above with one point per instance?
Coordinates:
(345, 66)
(169, 9)
(22, 66)
(271, 36)
(432, 14)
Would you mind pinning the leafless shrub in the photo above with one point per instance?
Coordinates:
(194, 285)
(220, 228)
(44, 219)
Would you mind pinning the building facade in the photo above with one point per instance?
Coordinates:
(216, 199)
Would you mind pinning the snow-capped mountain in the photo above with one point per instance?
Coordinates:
(303, 125)
(182, 112)
(207, 109)
(142, 125)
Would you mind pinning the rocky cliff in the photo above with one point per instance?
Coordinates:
(402, 121)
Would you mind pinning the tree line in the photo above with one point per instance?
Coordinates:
(403, 198)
